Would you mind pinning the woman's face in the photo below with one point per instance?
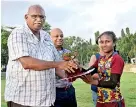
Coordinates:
(106, 43)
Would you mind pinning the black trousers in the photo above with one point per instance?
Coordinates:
(65, 97)
(12, 104)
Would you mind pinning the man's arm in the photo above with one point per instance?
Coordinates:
(19, 50)
(38, 65)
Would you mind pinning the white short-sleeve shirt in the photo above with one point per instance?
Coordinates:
(26, 86)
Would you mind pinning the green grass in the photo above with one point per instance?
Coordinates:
(83, 93)
(128, 89)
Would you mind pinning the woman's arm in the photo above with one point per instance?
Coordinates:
(112, 83)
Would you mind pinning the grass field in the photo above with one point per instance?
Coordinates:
(83, 93)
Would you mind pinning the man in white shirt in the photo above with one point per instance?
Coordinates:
(30, 75)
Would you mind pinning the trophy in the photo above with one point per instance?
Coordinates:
(78, 72)
(72, 56)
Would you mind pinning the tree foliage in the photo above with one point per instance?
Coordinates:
(126, 45)
(4, 48)
(47, 27)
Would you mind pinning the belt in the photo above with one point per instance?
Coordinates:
(64, 88)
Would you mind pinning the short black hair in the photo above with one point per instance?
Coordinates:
(109, 33)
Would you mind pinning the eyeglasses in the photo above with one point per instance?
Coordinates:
(38, 16)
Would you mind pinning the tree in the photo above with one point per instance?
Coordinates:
(96, 34)
(126, 44)
(122, 33)
(47, 27)
(90, 41)
(127, 31)
(4, 48)
(84, 48)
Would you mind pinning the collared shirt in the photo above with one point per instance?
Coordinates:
(27, 86)
(62, 83)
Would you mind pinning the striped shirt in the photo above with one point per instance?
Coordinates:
(62, 83)
(26, 86)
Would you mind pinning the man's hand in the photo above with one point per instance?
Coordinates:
(68, 66)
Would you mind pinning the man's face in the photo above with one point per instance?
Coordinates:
(57, 38)
(35, 18)
(106, 43)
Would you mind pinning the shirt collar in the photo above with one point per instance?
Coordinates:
(43, 34)
(28, 28)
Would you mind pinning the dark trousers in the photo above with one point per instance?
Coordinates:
(65, 97)
(12, 104)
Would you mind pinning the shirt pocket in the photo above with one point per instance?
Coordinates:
(33, 47)
(46, 49)
(47, 54)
